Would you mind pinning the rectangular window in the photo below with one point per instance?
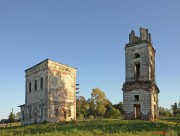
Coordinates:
(56, 112)
(41, 112)
(35, 85)
(29, 113)
(30, 87)
(22, 115)
(41, 82)
(69, 113)
(137, 70)
(136, 98)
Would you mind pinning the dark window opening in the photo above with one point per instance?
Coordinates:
(42, 83)
(30, 87)
(30, 114)
(41, 112)
(65, 114)
(69, 113)
(152, 73)
(56, 112)
(137, 55)
(137, 70)
(35, 85)
(136, 98)
(22, 115)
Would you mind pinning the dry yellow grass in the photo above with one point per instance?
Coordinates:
(8, 125)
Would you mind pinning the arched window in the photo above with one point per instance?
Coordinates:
(136, 55)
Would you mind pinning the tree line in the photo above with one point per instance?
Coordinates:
(97, 106)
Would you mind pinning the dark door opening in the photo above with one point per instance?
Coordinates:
(137, 111)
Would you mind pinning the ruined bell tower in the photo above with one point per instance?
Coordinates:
(140, 92)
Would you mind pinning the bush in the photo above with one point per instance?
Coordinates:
(113, 113)
(91, 117)
(81, 116)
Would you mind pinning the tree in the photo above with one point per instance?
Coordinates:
(91, 107)
(18, 116)
(165, 112)
(82, 107)
(100, 102)
(11, 117)
(174, 108)
(113, 112)
(119, 106)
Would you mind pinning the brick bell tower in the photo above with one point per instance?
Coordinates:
(140, 92)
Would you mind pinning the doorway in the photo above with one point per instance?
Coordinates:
(137, 111)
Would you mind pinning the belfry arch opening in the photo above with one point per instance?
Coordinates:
(137, 70)
(137, 55)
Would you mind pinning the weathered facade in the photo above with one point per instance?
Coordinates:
(50, 94)
(140, 92)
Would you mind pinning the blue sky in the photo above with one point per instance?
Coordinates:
(89, 35)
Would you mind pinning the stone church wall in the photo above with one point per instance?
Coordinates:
(50, 93)
(144, 101)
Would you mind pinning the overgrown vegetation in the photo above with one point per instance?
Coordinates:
(98, 106)
(105, 127)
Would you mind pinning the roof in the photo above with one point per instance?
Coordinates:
(21, 105)
(46, 60)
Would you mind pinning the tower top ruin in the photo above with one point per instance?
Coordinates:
(144, 36)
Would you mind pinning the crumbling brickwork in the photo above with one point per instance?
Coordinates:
(140, 92)
(50, 93)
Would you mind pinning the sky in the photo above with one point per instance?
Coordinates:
(89, 35)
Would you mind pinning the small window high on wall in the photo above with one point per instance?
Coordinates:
(136, 98)
(137, 70)
(136, 55)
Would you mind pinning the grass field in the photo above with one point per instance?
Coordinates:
(104, 127)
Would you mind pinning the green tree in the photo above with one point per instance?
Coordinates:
(119, 106)
(165, 112)
(113, 112)
(82, 107)
(91, 107)
(18, 116)
(174, 108)
(100, 102)
(11, 117)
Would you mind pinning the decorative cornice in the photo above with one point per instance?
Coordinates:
(145, 85)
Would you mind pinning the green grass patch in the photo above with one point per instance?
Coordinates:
(95, 128)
